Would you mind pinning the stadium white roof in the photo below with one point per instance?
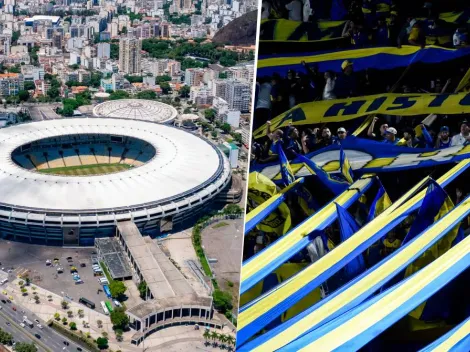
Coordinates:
(136, 109)
(184, 165)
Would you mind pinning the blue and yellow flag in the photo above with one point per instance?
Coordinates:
(380, 203)
(286, 171)
(436, 204)
(346, 170)
(333, 184)
(348, 227)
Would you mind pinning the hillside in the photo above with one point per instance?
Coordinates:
(241, 31)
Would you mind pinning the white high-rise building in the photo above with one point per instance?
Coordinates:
(104, 50)
(238, 95)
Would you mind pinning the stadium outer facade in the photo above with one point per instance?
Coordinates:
(184, 177)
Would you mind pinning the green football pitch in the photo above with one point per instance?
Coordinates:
(86, 170)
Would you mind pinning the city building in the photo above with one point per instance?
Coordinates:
(11, 83)
(238, 95)
(130, 55)
(193, 76)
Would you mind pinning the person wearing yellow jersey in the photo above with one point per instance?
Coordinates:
(391, 244)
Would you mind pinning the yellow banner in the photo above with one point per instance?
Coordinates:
(325, 111)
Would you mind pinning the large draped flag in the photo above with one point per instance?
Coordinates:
(380, 203)
(367, 156)
(436, 204)
(338, 110)
(260, 189)
(333, 184)
(382, 58)
(348, 226)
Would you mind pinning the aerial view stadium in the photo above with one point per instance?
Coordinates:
(357, 219)
(87, 174)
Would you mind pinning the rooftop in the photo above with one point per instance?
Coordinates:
(167, 284)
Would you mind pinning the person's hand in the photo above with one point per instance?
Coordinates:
(458, 193)
(315, 130)
(376, 119)
(268, 123)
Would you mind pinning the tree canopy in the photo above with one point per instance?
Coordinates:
(117, 288)
(119, 318)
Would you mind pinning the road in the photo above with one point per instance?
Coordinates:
(50, 340)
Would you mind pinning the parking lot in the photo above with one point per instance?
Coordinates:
(32, 259)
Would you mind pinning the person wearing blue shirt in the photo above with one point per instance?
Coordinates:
(390, 136)
(443, 138)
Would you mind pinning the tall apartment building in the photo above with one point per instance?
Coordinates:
(11, 83)
(130, 55)
(237, 95)
(218, 88)
(104, 50)
(193, 76)
(165, 30)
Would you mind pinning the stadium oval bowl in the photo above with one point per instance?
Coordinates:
(184, 174)
(136, 109)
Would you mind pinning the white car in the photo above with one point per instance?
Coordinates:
(22, 325)
(116, 303)
(39, 326)
(37, 321)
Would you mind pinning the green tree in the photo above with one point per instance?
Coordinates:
(206, 335)
(67, 110)
(119, 94)
(100, 323)
(134, 79)
(237, 137)
(142, 289)
(164, 78)
(75, 66)
(233, 209)
(117, 288)
(102, 343)
(223, 75)
(226, 128)
(25, 347)
(209, 114)
(166, 89)
(214, 134)
(28, 85)
(124, 30)
(69, 313)
(184, 91)
(24, 291)
(53, 92)
(222, 300)
(119, 318)
(147, 94)
(64, 304)
(64, 320)
(57, 316)
(80, 313)
(5, 338)
(23, 95)
(14, 37)
(73, 326)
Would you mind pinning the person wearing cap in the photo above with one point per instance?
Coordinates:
(342, 133)
(346, 82)
(391, 136)
(443, 138)
(463, 137)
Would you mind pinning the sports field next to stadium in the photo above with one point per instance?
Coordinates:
(86, 170)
